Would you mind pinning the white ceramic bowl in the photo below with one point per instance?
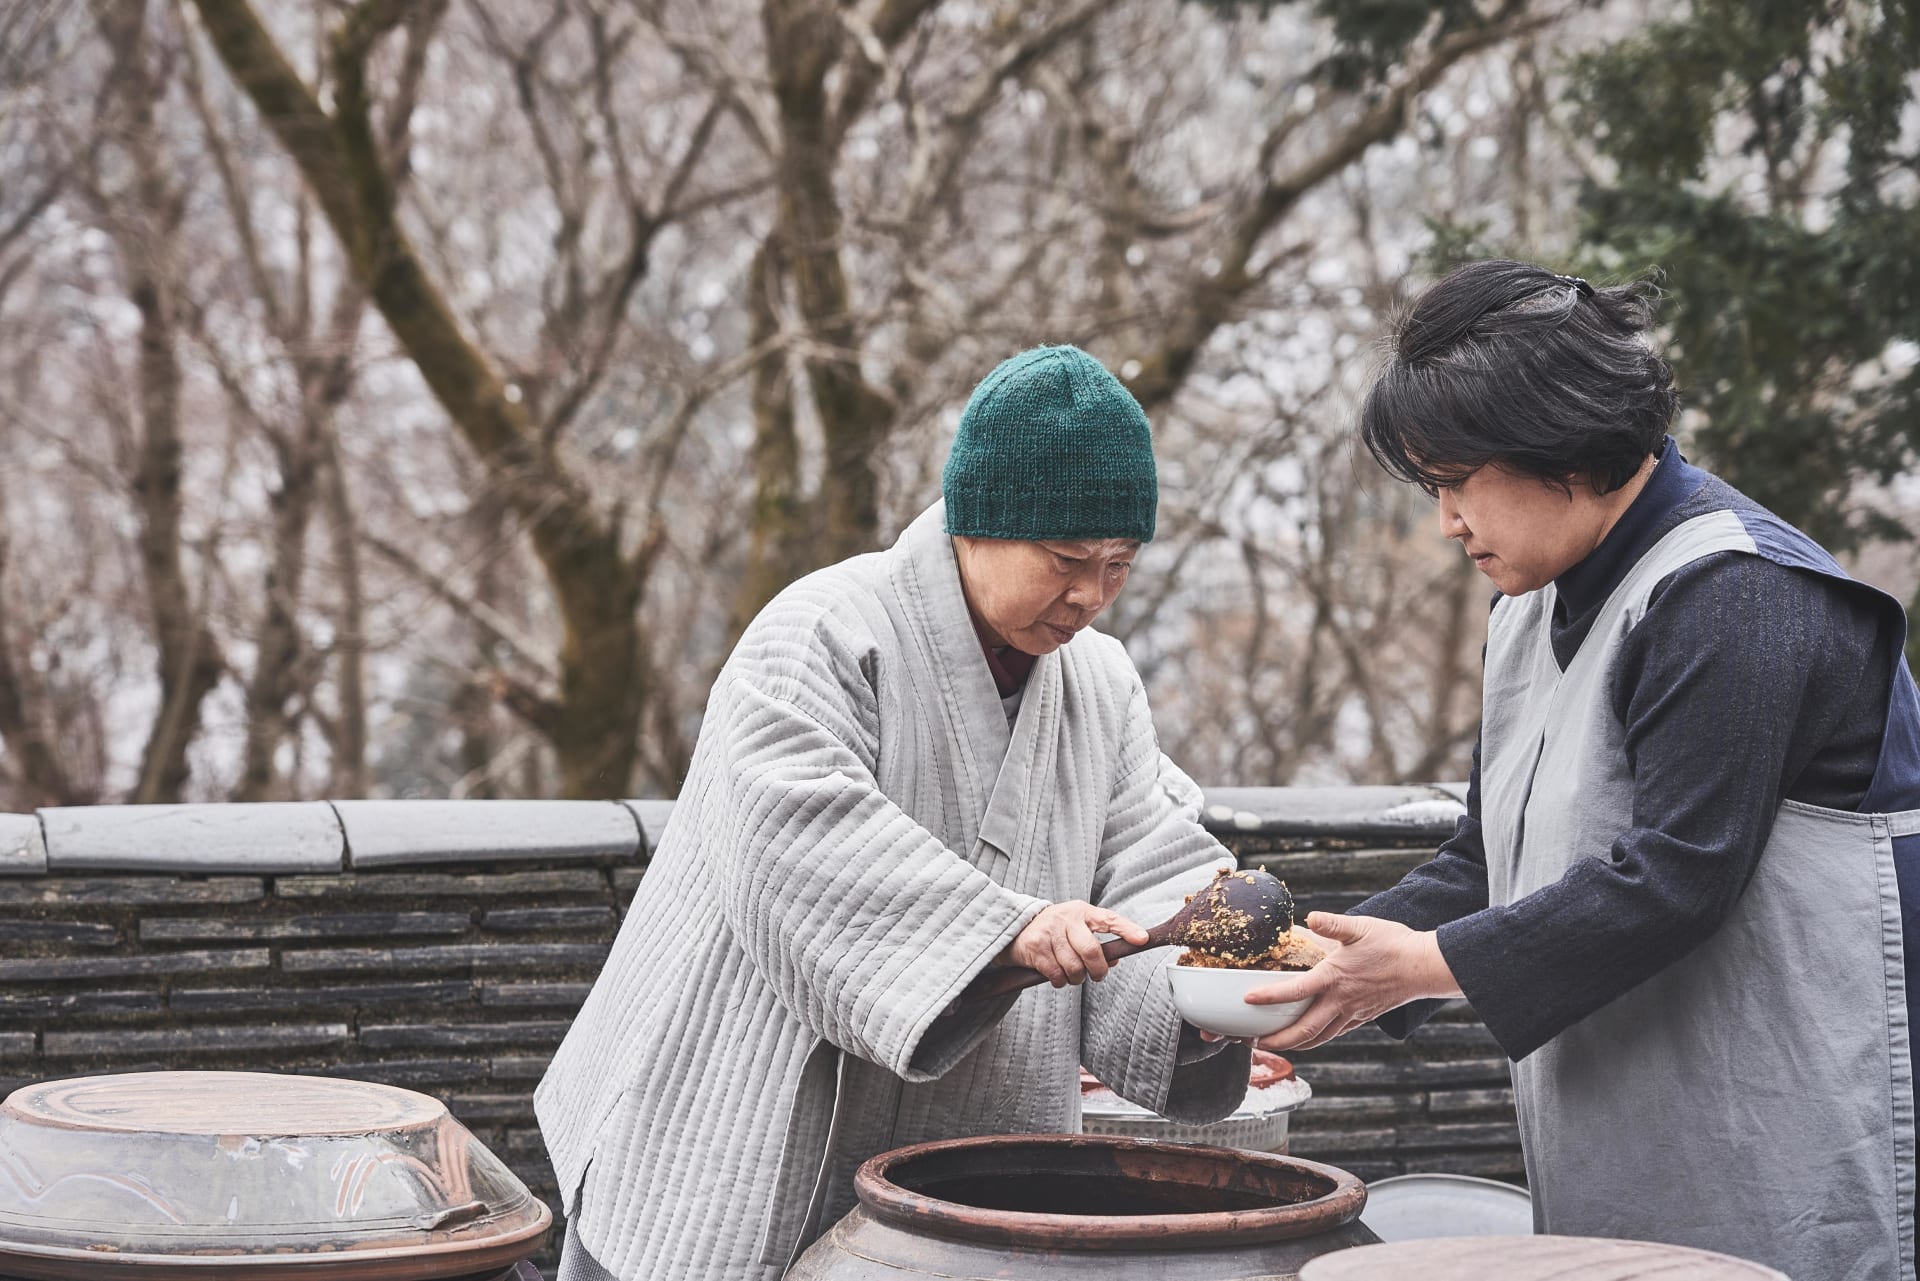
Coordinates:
(1212, 1000)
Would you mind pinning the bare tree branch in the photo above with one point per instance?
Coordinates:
(861, 77)
(487, 619)
(1211, 299)
(190, 663)
(597, 585)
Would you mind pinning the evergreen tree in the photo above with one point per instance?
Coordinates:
(1762, 157)
(1759, 162)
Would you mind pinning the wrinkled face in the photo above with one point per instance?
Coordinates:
(1035, 595)
(1521, 532)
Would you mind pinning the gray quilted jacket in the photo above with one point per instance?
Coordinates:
(859, 834)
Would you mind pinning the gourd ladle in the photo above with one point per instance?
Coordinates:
(1240, 913)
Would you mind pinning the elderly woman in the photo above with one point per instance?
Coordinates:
(1689, 874)
(916, 764)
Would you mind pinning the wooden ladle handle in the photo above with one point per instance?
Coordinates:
(1002, 979)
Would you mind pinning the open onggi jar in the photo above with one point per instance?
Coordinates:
(249, 1176)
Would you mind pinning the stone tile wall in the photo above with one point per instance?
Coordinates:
(446, 946)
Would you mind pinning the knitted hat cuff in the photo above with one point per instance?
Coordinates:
(1093, 509)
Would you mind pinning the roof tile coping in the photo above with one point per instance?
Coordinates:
(652, 817)
(284, 838)
(267, 837)
(23, 850)
(403, 833)
(1427, 811)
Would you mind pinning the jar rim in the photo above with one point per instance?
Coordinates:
(885, 1187)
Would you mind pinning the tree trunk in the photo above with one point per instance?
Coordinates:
(278, 663)
(792, 534)
(779, 523)
(473, 703)
(348, 740)
(22, 731)
(597, 585)
(190, 664)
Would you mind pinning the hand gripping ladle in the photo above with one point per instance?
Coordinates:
(1240, 913)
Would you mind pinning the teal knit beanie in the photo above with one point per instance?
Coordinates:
(1052, 446)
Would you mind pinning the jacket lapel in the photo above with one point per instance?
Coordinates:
(1000, 775)
(947, 660)
(1012, 818)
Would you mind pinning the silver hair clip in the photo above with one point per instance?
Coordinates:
(1586, 290)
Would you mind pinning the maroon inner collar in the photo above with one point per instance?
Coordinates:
(1010, 666)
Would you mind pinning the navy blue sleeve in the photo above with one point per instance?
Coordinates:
(1450, 885)
(1740, 675)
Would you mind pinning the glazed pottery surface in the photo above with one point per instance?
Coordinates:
(1031, 1207)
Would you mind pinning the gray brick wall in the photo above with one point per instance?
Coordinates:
(448, 950)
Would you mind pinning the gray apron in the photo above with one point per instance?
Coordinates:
(1756, 1097)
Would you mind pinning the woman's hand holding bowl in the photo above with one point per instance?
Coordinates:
(1372, 966)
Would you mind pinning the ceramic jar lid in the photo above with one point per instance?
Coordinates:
(246, 1176)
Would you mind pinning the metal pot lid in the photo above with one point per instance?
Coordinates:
(1268, 1069)
(245, 1175)
(1272, 1088)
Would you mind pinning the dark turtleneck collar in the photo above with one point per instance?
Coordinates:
(1582, 590)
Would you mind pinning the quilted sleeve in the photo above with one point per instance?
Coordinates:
(1153, 853)
(861, 920)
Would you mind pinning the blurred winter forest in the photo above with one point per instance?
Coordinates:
(415, 397)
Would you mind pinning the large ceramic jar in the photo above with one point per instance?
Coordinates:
(1047, 1207)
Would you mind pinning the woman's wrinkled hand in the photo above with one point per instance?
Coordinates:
(1377, 965)
(1060, 942)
